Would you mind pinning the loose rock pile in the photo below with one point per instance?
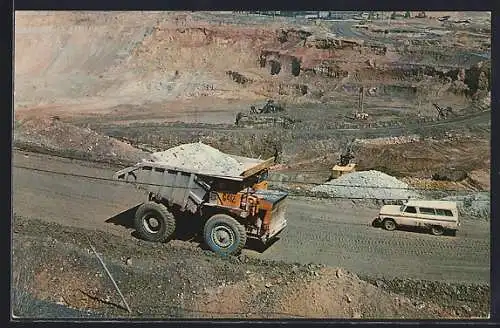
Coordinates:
(367, 184)
(200, 157)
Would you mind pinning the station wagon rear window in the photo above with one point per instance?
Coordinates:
(427, 210)
(443, 212)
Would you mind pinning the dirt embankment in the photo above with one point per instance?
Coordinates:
(55, 137)
(56, 264)
(448, 159)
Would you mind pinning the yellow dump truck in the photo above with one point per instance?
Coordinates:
(231, 208)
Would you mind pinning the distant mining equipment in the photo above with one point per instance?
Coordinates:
(443, 113)
(252, 120)
(256, 118)
(269, 107)
(360, 114)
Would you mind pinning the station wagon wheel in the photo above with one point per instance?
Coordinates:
(437, 230)
(389, 224)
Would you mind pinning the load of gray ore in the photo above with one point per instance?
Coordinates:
(367, 185)
(200, 157)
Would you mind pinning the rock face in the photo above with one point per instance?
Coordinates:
(367, 184)
(474, 205)
(200, 157)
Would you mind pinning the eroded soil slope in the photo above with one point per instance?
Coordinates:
(56, 263)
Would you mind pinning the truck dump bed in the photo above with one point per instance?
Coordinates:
(178, 187)
(185, 187)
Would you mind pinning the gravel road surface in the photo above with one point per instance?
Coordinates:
(335, 233)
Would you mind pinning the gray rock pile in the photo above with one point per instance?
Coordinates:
(367, 184)
(200, 157)
(474, 205)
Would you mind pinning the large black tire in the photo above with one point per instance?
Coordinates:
(389, 224)
(224, 235)
(144, 225)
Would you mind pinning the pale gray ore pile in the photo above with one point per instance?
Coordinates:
(367, 184)
(201, 158)
(475, 205)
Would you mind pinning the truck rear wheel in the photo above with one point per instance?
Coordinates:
(153, 222)
(224, 235)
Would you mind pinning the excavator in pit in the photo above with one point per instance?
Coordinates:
(443, 113)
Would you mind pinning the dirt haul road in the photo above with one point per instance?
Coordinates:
(335, 233)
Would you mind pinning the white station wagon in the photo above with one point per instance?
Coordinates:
(436, 215)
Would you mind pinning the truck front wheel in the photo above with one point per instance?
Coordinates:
(153, 222)
(224, 235)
